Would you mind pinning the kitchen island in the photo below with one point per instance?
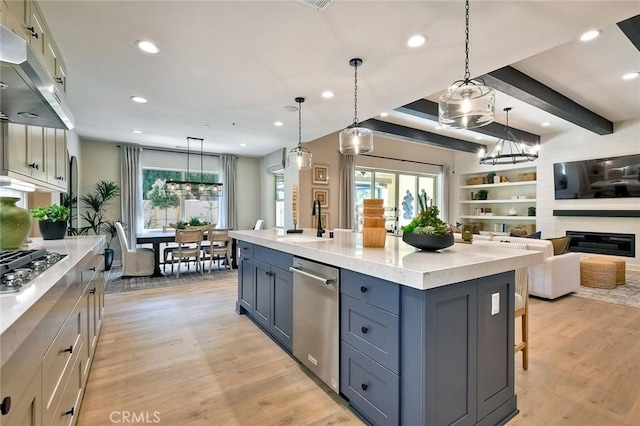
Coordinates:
(425, 338)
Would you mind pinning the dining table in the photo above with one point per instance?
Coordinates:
(169, 236)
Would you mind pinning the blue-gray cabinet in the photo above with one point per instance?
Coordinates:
(428, 357)
(265, 290)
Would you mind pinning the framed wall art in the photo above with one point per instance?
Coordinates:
(321, 174)
(321, 194)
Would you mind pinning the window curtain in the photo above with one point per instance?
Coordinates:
(346, 205)
(228, 213)
(131, 191)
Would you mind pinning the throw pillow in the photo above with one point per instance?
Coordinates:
(536, 235)
(560, 244)
(517, 232)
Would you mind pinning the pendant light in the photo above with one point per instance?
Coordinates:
(467, 103)
(299, 157)
(195, 189)
(356, 140)
(509, 150)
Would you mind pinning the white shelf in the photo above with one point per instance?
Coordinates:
(486, 217)
(501, 185)
(520, 200)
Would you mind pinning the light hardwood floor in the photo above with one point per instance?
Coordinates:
(182, 356)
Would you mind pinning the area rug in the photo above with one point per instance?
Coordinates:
(628, 294)
(117, 284)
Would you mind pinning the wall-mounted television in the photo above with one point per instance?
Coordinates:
(611, 177)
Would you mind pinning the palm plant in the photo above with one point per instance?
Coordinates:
(94, 215)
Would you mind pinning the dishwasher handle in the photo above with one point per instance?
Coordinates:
(327, 281)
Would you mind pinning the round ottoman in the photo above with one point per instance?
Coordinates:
(620, 268)
(597, 273)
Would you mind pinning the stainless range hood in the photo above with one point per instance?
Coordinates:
(28, 94)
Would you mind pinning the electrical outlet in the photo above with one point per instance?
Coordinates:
(495, 303)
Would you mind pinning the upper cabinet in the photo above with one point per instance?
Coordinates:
(37, 155)
(25, 19)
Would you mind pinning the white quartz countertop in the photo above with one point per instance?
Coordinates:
(14, 306)
(397, 261)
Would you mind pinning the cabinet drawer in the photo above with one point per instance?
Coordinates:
(57, 361)
(67, 409)
(371, 290)
(372, 389)
(273, 257)
(372, 331)
(246, 249)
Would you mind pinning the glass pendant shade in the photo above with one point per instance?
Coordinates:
(467, 105)
(299, 157)
(356, 140)
(191, 189)
(509, 150)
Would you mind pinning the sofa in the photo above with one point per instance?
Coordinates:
(556, 276)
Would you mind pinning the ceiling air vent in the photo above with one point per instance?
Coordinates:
(317, 4)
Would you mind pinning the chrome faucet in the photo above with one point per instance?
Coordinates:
(320, 230)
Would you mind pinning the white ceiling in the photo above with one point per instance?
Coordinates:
(235, 65)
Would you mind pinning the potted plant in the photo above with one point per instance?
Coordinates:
(52, 221)
(482, 194)
(427, 231)
(94, 215)
(490, 177)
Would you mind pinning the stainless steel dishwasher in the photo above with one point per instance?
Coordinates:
(315, 319)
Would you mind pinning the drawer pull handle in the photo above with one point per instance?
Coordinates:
(33, 32)
(364, 330)
(70, 412)
(59, 80)
(34, 166)
(363, 289)
(92, 269)
(5, 406)
(92, 291)
(364, 386)
(69, 349)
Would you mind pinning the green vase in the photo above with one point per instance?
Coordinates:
(15, 224)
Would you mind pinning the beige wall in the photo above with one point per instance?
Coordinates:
(325, 151)
(248, 191)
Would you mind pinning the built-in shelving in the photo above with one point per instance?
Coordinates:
(519, 200)
(490, 217)
(500, 185)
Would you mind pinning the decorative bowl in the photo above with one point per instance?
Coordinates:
(428, 242)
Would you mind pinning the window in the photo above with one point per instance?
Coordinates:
(161, 208)
(279, 189)
(398, 190)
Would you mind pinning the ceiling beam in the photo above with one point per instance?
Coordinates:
(518, 85)
(416, 135)
(631, 28)
(427, 109)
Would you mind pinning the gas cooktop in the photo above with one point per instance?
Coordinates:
(18, 267)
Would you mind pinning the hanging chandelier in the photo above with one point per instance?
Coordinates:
(356, 140)
(509, 150)
(299, 157)
(467, 103)
(194, 189)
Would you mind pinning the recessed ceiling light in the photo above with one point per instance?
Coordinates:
(207, 126)
(545, 124)
(590, 35)
(384, 114)
(630, 76)
(278, 124)
(243, 144)
(416, 40)
(327, 94)
(139, 99)
(147, 46)
(136, 131)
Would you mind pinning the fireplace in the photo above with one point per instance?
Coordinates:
(603, 243)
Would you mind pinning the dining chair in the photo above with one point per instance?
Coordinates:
(136, 262)
(219, 248)
(189, 245)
